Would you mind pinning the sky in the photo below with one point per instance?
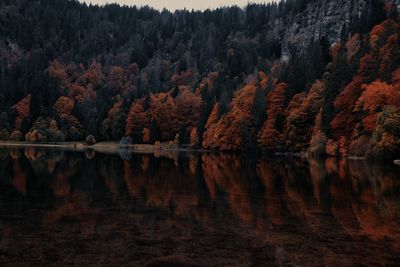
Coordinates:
(179, 4)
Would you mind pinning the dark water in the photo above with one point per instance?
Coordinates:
(64, 208)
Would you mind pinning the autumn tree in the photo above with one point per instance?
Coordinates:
(338, 76)
(375, 97)
(22, 110)
(301, 118)
(385, 143)
(188, 106)
(237, 129)
(194, 139)
(136, 120)
(146, 135)
(206, 107)
(122, 79)
(259, 109)
(271, 134)
(16, 136)
(390, 57)
(45, 130)
(163, 112)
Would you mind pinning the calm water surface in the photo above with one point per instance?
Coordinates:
(182, 209)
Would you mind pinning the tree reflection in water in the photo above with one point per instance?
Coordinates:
(59, 207)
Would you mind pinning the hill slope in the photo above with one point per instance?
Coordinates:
(302, 75)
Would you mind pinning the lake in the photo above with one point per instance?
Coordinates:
(195, 209)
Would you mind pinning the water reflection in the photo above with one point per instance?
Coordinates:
(59, 207)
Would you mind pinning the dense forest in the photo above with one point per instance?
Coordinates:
(222, 79)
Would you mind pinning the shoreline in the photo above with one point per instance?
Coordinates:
(114, 147)
(102, 147)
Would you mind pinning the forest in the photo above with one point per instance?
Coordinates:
(213, 79)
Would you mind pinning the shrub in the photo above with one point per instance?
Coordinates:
(4, 135)
(90, 140)
(54, 135)
(36, 136)
(16, 136)
(125, 141)
(359, 147)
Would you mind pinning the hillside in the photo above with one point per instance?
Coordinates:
(305, 75)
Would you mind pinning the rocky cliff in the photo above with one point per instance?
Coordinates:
(326, 19)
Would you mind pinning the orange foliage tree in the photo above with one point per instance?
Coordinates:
(271, 136)
(163, 112)
(146, 135)
(344, 105)
(194, 138)
(209, 133)
(80, 84)
(167, 113)
(381, 31)
(238, 128)
(187, 107)
(71, 128)
(57, 71)
(121, 79)
(111, 123)
(301, 114)
(318, 139)
(375, 97)
(385, 144)
(353, 46)
(22, 110)
(390, 56)
(64, 105)
(93, 75)
(182, 78)
(227, 133)
(137, 118)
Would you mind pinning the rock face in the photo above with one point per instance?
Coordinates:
(323, 19)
